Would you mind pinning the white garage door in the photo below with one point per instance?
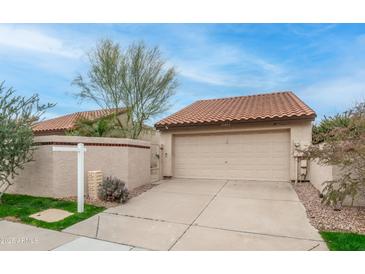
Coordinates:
(251, 156)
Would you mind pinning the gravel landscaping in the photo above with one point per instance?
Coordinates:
(323, 217)
(139, 190)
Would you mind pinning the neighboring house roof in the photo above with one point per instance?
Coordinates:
(67, 122)
(269, 106)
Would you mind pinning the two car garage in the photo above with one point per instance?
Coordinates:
(252, 156)
(247, 137)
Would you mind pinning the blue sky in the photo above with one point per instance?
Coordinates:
(324, 64)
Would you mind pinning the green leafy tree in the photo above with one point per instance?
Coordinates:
(17, 115)
(343, 146)
(137, 79)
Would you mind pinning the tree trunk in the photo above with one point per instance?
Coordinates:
(4, 190)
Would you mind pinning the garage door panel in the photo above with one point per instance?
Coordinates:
(255, 156)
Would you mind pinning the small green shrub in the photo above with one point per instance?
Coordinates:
(112, 189)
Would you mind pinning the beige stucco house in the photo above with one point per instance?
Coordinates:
(247, 137)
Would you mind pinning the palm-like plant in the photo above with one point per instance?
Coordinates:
(102, 127)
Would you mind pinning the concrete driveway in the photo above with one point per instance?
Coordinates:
(186, 214)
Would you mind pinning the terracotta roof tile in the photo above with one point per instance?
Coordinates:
(269, 106)
(67, 122)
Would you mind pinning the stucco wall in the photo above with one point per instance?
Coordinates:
(300, 132)
(318, 174)
(55, 173)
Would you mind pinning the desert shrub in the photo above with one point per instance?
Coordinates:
(113, 189)
(343, 146)
(328, 125)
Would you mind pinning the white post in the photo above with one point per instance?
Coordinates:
(80, 177)
(80, 172)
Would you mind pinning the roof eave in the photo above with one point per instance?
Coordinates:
(165, 127)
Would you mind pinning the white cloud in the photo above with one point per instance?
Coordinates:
(344, 85)
(310, 30)
(336, 94)
(212, 76)
(22, 38)
(230, 66)
(222, 62)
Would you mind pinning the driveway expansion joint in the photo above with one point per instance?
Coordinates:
(257, 233)
(183, 193)
(95, 238)
(97, 227)
(313, 247)
(260, 199)
(144, 218)
(201, 212)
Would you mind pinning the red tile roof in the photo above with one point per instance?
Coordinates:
(269, 106)
(67, 122)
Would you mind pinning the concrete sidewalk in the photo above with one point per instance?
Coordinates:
(16, 236)
(21, 237)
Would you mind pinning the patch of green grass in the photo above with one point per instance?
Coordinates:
(21, 206)
(341, 241)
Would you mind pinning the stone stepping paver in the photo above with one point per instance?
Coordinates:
(88, 244)
(51, 215)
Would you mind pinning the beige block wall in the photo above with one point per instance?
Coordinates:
(37, 177)
(300, 132)
(55, 173)
(318, 174)
(139, 164)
